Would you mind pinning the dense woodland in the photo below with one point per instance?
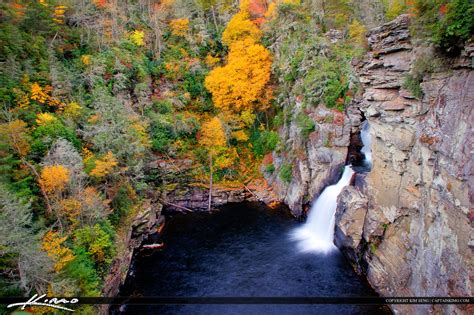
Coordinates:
(91, 91)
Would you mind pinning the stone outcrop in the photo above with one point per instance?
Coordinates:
(317, 160)
(179, 190)
(409, 227)
(145, 222)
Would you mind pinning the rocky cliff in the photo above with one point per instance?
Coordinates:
(317, 160)
(409, 228)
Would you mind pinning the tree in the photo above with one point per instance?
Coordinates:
(15, 134)
(59, 253)
(239, 28)
(212, 137)
(30, 267)
(104, 165)
(54, 178)
(242, 83)
(111, 128)
(179, 27)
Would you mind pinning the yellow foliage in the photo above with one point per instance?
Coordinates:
(86, 59)
(23, 100)
(87, 154)
(61, 255)
(179, 27)
(271, 11)
(226, 159)
(72, 110)
(140, 129)
(395, 8)
(240, 28)
(15, 133)
(357, 31)
(138, 38)
(240, 135)
(212, 133)
(247, 117)
(59, 11)
(54, 178)
(71, 207)
(104, 165)
(41, 95)
(242, 83)
(211, 61)
(44, 119)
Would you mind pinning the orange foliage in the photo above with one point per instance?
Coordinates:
(52, 244)
(104, 166)
(15, 133)
(100, 3)
(54, 178)
(179, 27)
(242, 83)
(41, 95)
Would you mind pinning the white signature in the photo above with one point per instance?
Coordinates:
(40, 301)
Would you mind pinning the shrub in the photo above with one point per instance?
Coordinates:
(263, 142)
(286, 173)
(448, 23)
(412, 84)
(122, 204)
(163, 106)
(270, 168)
(306, 124)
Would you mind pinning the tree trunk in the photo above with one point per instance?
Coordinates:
(214, 18)
(210, 182)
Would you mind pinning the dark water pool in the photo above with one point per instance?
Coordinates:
(242, 250)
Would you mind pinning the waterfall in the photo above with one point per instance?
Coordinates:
(367, 141)
(317, 233)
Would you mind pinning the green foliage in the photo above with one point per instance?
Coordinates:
(448, 23)
(98, 244)
(163, 106)
(270, 168)
(82, 270)
(162, 133)
(412, 84)
(306, 124)
(286, 173)
(122, 204)
(45, 135)
(456, 26)
(263, 142)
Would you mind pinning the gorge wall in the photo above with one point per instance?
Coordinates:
(409, 227)
(408, 224)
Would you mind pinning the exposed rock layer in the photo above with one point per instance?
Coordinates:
(409, 229)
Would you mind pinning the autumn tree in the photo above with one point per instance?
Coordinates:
(212, 137)
(241, 86)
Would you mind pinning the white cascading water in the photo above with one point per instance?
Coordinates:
(367, 141)
(317, 233)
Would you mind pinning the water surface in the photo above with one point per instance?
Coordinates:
(241, 250)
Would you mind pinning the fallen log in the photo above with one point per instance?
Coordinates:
(184, 209)
(153, 246)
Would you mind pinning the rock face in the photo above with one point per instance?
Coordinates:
(146, 222)
(409, 227)
(316, 160)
